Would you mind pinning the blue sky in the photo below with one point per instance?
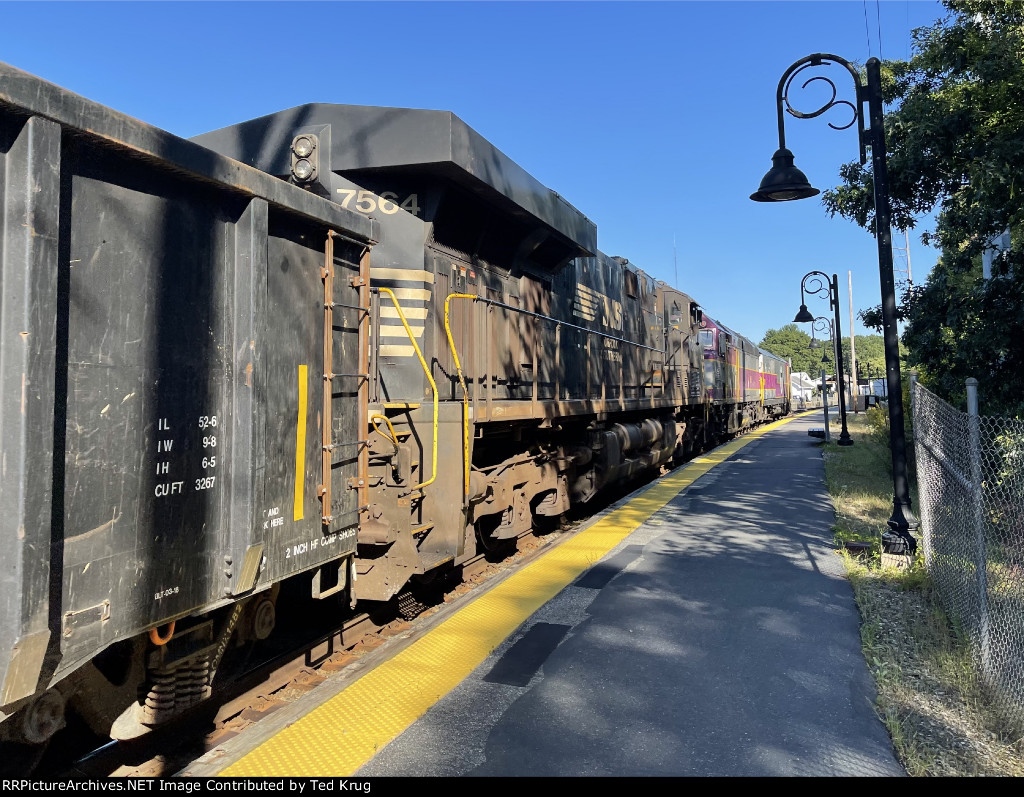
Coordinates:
(655, 119)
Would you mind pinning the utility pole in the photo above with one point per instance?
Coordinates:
(903, 260)
(904, 251)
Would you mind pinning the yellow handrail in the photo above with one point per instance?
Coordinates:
(465, 392)
(394, 437)
(433, 386)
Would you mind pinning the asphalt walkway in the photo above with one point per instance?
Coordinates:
(720, 638)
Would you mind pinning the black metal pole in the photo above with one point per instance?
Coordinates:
(822, 285)
(784, 182)
(844, 436)
(902, 519)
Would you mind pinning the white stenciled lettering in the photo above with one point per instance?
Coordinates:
(274, 513)
(314, 544)
(163, 446)
(162, 468)
(165, 593)
(168, 488)
(163, 425)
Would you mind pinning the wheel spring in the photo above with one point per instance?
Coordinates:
(173, 689)
(193, 684)
(159, 704)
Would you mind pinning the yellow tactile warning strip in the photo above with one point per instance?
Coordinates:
(342, 734)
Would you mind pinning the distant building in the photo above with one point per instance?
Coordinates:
(803, 387)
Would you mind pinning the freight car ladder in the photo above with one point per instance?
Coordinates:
(361, 283)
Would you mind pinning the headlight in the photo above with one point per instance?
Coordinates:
(302, 169)
(305, 158)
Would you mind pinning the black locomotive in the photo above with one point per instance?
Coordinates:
(337, 348)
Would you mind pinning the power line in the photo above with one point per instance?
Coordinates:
(867, 30)
(878, 19)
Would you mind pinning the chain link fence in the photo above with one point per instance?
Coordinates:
(970, 473)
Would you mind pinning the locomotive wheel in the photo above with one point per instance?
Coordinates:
(492, 547)
(547, 524)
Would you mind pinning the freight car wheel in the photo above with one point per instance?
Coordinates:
(264, 618)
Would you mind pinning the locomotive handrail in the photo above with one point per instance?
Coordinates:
(433, 385)
(465, 390)
(561, 323)
(373, 420)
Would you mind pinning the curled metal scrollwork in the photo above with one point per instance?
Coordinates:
(822, 324)
(816, 283)
(831, 103)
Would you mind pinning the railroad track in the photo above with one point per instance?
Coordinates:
(335, 653)
(298, 666)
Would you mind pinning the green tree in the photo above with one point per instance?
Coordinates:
(793, 342)
(870, 353)
(955, 141)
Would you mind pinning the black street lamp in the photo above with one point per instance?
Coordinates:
(817, 283)
(784, 182)
(822, 324)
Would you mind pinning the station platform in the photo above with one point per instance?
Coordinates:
(703, 627)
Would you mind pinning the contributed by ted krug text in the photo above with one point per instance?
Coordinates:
(303, 786)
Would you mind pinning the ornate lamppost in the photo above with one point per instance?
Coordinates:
(822, 324)
(784, 182)
(817, 283)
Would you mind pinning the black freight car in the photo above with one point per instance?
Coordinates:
(162, 345)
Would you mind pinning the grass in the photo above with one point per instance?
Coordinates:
(941, 717)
